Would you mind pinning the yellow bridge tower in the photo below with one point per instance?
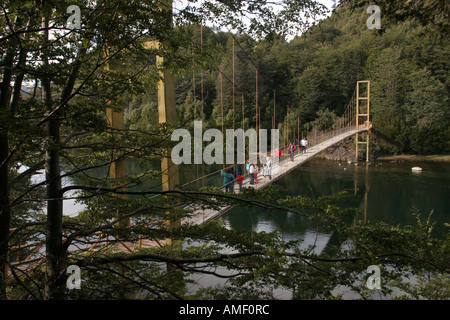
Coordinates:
(363, 115)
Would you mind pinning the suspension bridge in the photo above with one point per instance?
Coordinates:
(354, 122)
(285, 166)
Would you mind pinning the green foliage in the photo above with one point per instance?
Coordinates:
(429, 286)
(408, 88)
(430, 140)
(315, 75)
(325, 119)
(431, 14)
(425, 100)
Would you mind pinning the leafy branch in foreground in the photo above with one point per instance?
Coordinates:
(253, 264)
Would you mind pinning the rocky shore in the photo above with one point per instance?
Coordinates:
(340, 152)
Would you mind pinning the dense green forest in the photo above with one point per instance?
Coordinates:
(315, 75)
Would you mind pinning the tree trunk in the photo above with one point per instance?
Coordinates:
(55, 253)
(5, 210)
(7, 108)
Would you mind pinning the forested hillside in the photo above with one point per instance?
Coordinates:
(315, 75)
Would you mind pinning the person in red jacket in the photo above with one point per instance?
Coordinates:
(240, 180)
(278, 154)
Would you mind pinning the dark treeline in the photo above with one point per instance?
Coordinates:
(315, 75)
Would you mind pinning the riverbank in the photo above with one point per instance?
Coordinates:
(421, 158)
(344, 151)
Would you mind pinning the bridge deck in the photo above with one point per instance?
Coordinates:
(284, 167)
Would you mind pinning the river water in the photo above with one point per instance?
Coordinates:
(383, 191)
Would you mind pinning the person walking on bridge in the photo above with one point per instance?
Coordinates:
(255, 174)
(228, 180)
(304, 143)
(251, 173)
(277, 155)
(291, 151)
(240, 180)
(238, 170)
(268, 171)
